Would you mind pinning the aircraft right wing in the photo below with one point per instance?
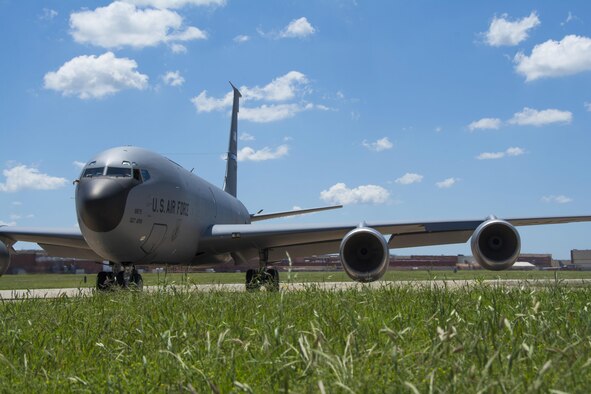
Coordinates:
(310, 239)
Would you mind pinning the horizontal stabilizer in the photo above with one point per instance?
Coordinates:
(257, 217)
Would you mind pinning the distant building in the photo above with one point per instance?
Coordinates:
(581, 259)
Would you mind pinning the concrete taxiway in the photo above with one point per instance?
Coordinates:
(326, 286)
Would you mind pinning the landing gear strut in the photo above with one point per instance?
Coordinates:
(123, 276)
(262, 277)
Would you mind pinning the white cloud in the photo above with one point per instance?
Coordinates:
(298, 28)
(121, 24)
(249, 154)
(588, 106)
(341, 194)
(246, 137)
(569, 56)
(287, 87)
(175, 4)
(241, 38)
(533, 117)
(178, 48)
(282, 88)
(438, 129)
(78, 164)
(512, 151)
(409, 178)
(447, 183)
(173, 78)
(380, 145)
(3, 223)
(270, 113)
(485, 123)
(95, 77)
(48, 14)
(560, 199)
(21, 177)
(503, 32)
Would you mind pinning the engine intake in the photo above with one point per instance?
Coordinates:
(4, 259)
(364, 254)
(495, 244)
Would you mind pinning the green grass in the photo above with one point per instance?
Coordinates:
(397, 339)
(52, 281)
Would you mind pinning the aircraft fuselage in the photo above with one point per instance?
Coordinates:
(135, 206)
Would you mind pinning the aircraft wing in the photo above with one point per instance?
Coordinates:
(56, 242)
(309, 239)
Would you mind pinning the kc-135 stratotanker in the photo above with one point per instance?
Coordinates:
(138, 207)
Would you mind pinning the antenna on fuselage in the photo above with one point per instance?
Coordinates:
(231, 180)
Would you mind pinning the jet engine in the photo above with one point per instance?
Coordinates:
(495, 244)
(364, 254)
(4, 259)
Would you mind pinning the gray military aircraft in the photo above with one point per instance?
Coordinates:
(138, 207)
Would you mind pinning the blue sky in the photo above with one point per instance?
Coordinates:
(402, 111)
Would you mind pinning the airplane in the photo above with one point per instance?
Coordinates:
(137, 207)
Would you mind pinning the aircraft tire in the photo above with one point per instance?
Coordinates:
(252, 282)
(104, 281)
(136, 281)
(272, 281)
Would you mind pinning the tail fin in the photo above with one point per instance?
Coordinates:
(230, 183)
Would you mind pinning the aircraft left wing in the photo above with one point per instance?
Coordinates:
(312, 239)
(56, 242)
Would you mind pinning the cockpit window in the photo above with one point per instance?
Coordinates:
(92, 172)
(119, 172)
(145, 175)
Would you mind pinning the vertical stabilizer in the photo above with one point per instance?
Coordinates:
(230, 183)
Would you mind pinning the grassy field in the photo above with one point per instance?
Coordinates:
(397, 339)
(52, 281)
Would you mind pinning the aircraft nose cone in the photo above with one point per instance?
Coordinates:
(101, 202)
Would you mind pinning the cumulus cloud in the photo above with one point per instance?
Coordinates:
(249, 154)
(21, 177)
(533, 117)
(298, 28)
(175, 4)
(571, 55)
(121, 24)
(365, 194)
(485, 123)
(447, 183)
(504, 32)
(560, 199)
(173, 78)
(3, 223)
(94, 77)
(288, 87)
(178, 48)
(409, 178)
(379, 145)
(513, 151)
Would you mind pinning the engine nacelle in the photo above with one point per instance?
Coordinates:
(364, 254)
(496, 244)
(4, 259)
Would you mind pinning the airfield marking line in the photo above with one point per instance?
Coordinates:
(326, 286)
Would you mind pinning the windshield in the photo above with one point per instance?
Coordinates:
(123, 172)
(91, 172)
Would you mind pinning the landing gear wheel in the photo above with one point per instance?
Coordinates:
(252, 280)
(272, 279)
(136, 282)
(104, 281)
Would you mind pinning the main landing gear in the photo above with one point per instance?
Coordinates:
(262, 277)
(122, 277)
